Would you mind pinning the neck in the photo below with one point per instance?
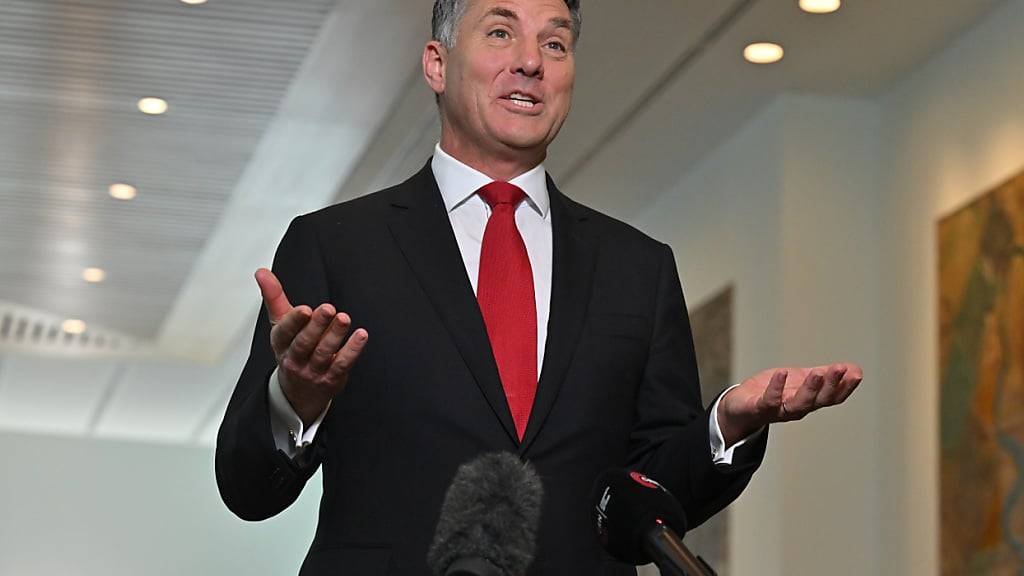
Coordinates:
(502, 167)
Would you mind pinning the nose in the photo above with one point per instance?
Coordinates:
(529, 61)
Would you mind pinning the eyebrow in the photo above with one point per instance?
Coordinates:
(511, 15)
(561, 23)
(502, 13)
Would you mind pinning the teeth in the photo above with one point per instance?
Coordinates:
(521, 100)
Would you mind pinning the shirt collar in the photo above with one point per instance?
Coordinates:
(459, 182)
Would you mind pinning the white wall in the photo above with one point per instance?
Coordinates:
(823, 212)
(953, 130)
(767, 213)
(73, 506)
(828, 312)
(722, 222)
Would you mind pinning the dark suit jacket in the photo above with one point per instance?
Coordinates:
(618, 386)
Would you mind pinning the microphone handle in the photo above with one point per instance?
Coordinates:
(671, 556)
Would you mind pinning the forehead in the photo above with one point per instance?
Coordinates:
(523, 9)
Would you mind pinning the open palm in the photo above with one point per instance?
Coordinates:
(785, 394)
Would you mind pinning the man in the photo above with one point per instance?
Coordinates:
(494, 313)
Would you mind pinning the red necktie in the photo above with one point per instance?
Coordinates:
(505, 294)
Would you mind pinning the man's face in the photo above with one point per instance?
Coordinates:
(508, 81)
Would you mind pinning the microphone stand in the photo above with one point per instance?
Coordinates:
(671, 556)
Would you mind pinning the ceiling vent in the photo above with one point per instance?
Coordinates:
(25, 330)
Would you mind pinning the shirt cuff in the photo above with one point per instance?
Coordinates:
(721, 455)
(290, 436)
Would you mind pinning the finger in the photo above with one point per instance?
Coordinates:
(849, 384)
(850, 381)
(282, 334)
(829, 393)
(273, 295)
(329, 343)
(307, 339)
(855, 371)
(347, 356)
(803, 401)
(771, 401)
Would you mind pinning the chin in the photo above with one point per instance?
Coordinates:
(523, 140)
(531, 144)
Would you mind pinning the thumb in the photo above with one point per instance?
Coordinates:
(273, 294)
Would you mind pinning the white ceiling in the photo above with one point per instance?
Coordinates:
(70, 75)
(281, 107)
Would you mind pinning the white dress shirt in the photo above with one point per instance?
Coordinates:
(468, 214)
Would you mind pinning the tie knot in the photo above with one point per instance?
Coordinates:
(498, 192)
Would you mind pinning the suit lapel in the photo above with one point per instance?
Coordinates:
(572, 271)
(421, 227)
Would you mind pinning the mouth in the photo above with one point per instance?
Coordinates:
(523, 101)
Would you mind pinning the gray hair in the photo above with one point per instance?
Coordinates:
(448, 14)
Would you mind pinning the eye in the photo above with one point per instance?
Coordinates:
(556, 45)
(499, 33)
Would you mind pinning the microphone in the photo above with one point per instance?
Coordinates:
(488, 522)
(639, 521)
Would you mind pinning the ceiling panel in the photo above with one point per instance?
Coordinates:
(676, 119)
(344, 92)
(624, 49)
(70, 75)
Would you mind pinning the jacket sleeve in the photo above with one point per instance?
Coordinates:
(255, 479)
(670, 441)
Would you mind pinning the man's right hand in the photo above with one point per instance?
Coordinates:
(313, 355)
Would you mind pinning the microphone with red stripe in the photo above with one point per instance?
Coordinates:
(639, 521)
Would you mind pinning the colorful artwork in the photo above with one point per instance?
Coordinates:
(981, 330)
(711, 323)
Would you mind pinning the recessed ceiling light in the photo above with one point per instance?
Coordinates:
(123, 191)
(820, 6)
(152, 106)
(73, 326)
(93, 274)
(763, 53)
(194, 2)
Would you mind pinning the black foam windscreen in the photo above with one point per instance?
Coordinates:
(627, 506)
(492, 512)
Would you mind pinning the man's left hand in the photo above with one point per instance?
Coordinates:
(783, 394)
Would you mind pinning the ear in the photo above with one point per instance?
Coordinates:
(435, 59)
